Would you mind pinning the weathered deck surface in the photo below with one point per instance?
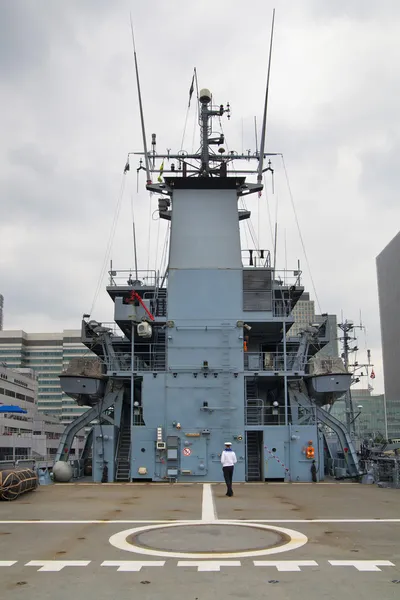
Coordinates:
(55, 542)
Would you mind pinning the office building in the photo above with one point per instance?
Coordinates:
(304, 314)
(47, 354)
(369, 412)
(26, 433)
(388, 270)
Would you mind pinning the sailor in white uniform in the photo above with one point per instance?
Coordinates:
(228, 461)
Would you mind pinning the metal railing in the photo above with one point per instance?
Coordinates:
(256, 258)
(27, 461)
(129, 277)
(271, 361)
(284, 277)
(154, 359)
(258, 414)
(282, 308)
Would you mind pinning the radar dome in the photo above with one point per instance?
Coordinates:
(62, 471)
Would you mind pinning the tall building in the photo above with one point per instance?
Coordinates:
(47, 354)
(369, 409)
(388, 269)
(1, 311)
(28, 433)
(304, 314)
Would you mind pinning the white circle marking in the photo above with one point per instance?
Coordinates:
(297, 539)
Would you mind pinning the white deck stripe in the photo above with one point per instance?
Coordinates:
(54, 566)
(362, 565)
(323, 520)
(208, 512)
(191, 521)
(132, 565)
(209, 565)
(286, 565)
(91, 522)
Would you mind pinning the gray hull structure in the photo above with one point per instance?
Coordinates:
(205, 354)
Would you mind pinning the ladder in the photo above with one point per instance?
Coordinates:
(124, 446)
(253, 456)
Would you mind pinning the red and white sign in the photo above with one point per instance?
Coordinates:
(187, 452)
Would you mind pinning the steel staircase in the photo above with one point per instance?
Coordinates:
(253, 408)
(159, 358)
(253, 456)
(337, 426)
(114, 391)
(160, 309)
(124, 446)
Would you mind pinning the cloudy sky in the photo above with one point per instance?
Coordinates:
(69, 117)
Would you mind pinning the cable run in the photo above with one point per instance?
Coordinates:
(301, 237)
(149, 235)
(110, 242)
(184, 127)
(269, 213)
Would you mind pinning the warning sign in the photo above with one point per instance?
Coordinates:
(187, 452)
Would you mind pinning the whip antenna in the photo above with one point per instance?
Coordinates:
(146, 158)
(264, 123)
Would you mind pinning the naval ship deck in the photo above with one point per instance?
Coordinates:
(153, 541)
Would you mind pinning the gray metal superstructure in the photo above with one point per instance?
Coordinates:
(203, 356)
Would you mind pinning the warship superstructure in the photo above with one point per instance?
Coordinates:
(204, 353)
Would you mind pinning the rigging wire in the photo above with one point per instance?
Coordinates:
(163, 259)
(158, 240)
(110, 242)
(165, 255)
(134, 240)
(184, 127)
(269, 212)
(149, 235)
(300, 235)
(248, 222)
(196, 118)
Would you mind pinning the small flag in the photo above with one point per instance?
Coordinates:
(191, 90)
(161, 172)
(372, 374)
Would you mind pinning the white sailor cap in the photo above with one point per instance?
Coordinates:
(228, 444)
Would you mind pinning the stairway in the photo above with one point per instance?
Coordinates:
(159, 357)
(251, 389)
(345, 440)
(124, 446)
(112, 394)
(253, 455)
(253, 408)
(337, 426)
(161, 303)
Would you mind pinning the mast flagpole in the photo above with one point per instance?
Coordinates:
(146, 157)
(264, 123)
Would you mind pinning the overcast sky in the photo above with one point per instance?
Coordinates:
(69, 117)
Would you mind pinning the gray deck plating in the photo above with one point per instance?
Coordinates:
(60, 536)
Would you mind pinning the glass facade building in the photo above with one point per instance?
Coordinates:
(47, 354)
(388, 270)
